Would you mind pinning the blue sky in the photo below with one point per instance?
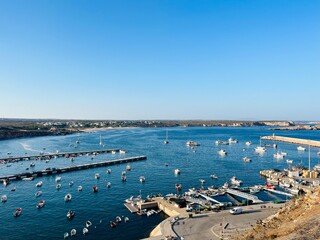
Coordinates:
(253, 60)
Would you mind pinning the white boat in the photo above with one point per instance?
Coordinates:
(123, 178)
(166, 141)
(222, 152)
(97, 176)
(289, 161)
(4, 198)
(218, 142)
(58, 179)
(27, 179)
(318, 153)
(177, 171)
(67, 197)
(283, 154)
(85, 231)
(202, 181)
(32, 164)
(39, 184)
(40, 204)
(126, 219)
(284, 184)
(248, 143)
(118, 219)
(100, 141)
(246, 159)
(236, 182)
(73, 232)
(88, 224)
(260, 149)
(231, 140)
(225, 185)
(58, 186)
(65, 235)
(300, 148)
(192, 144)
(6, 182)
(108, 184)
(95, 189)
(79, 188)
(317, 167)
(278, 155)
(213, 176)
(38, 194)
(70, 214)
(108, 171)
(254, 190)
(113, 152)
(128, 167)
(142, 179)
(122, 151)
(17, 212)
(293, 191)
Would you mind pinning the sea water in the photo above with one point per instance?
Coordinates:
(100, 208)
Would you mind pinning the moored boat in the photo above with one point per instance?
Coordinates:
(58, 186)
(58, 179)
(40, 204)
(222, 152)
(95, 189)
(177, 171)
(88, 224)
(17, 212)
(248, 143)
(39, 184)
(178, 186)
(108, 171)
(67, 197)
(192, 144)
(38, 194)
(113, 224)
(4, 198)
(213, 176)
(234, 181)
(126, 219)
(65, 235)
(128, 167)
(118, 219)
(70, 214)
(73, 232)
(300, 148)
(108, 184)
(246, 159)
(85, 231)
(142, 179)
(79, 188)
(97, 176)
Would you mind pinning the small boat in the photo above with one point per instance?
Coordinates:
(39, 184)
(27, 179)
(65, 235)
(108, 184)
(218, 142)
(95, 189)
(17, 212)
(283, 154)
(58, 179)
(85, 231)
(177, 171)
(231, 140)
(289, 161)
(13, 189)
(88, 224)
(38, 194)
(192, 144)
(97, 176)
(222, 152)
(9, 165)
(40, 204)
(254, 190)
(113, 152)
(71, 183)
(118, 219)
(4, 198)
(213, 176)
(126, 219)
(300, 148)
(260, 149)
(58, 186)
(123, 173)
(178, 186)
(73, 232)
(122, 151)
(32, 164)
(248, 143)
(278, 155)
(142, 179)
(113, 224)
(166, 141)
(79, 188)
(108, 171)
(236, 182)
(128, 167)
(67, 197)
(318, 153)
(123, 178)
(70, 214)
(284, 184)
(246, 159)
(202, 181)
(166, 164)
(6, 182)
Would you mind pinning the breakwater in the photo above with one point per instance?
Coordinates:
(311, 143)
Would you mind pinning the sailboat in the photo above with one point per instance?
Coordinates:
(166, 141)
(260, 149)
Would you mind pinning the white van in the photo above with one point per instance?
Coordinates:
(236, 210)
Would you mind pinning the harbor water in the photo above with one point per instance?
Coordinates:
(162, 159)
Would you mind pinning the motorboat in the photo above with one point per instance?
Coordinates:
(166, 141)
(128, 167)
(300, 148)
(97, 176)
(70, 214)
(166, 164)
(58, 179)
(4, 198)
(17, 212)
(113, 224)
(6, 182)
(108, 171)
(213, 176)
(71, 183)
(32, 164)
(270, 186)
(178, 186)
(126, 219)
(222, 152)
(133, 199)
(39, 184)
(278, 155)
(79, 188)
(108, 184)
(67, 197)
(123, 173)
(236, 182)
(142, 179)
(202, 181)
(218, 142)
(88, 224)
(38, 194)
(118, 219)
(248, 143)
(27, 179)
(192, 144)
(41, 204)
(260, 149)
(113, 152)
(246, 159)
(123, 178)
(177, 171)
(65, 235)
(73, 232)
(85, 231)
(231, 140)
(289, 161)
(283, 154)
(95, 189)
(122, 151)
(254, 190)
(13, 189)
(225, 185)
(58, 186)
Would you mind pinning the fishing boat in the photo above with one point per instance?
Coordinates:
(97, 176)
(39, 184)
(88, 224)
(58, 186)
(67, 197)
(79, 188)
(95, 189)
(300, 148)
(85, 231)
(128, 167)
(142, 179)
(17, 212)
(177, 171)
(222, 152)
(40, 204)
(38, 194)
(246, 159)
(70, 214)
(108, 184)
(4, 198)
(166, 141)
(73, 232)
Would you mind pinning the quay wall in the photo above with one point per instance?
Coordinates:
(306, 142)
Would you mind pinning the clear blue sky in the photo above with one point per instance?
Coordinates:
(160, 59)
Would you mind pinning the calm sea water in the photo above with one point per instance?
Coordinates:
(51, 222)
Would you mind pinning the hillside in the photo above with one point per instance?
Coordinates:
(298, 220)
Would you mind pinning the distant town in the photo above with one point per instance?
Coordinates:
(15, 128)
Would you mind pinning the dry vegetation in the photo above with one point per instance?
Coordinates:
(298, 220)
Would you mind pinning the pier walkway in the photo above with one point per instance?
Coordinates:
(52, 171)
(254, 199)
(210, 199)
(311, 143)
(45, 156)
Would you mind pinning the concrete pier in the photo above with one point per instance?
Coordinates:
(247, 196)
(299, 141)
(52, 171)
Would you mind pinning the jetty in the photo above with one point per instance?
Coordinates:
(278, 192)
(247, 196)
(52, 171)
(299, 141)
(45, 156)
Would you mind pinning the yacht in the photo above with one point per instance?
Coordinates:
(300, 148)
(177, 171)
(222, 152)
